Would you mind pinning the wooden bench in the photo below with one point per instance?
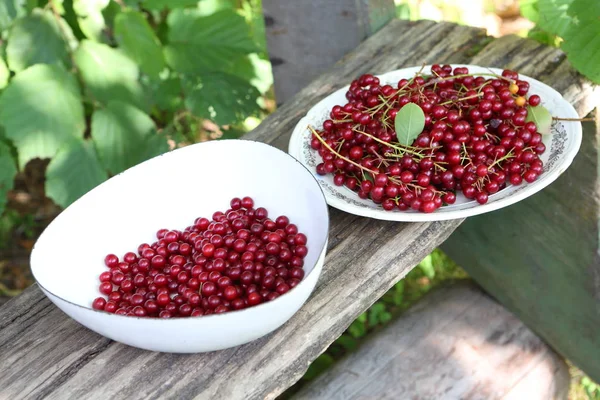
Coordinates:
(456, 343)
(44, 354)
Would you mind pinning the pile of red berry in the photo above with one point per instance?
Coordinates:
(238, 259)
(476, 139)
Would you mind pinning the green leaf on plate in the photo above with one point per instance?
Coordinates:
(124, 136)
(90, 17)
(542, 118)
(222, 98)
(581, 38)
(206, 43)
(108, 74)
(4, 74)
(41, 109)
(36, 39)
(9, 11)
(74, 171)
(409, 123)
(137, 39)
(8, 170)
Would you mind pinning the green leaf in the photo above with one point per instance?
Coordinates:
(124, 136)
(9, 11)
(4, 74)
(108, 74)
(110, 13)
(135, 36)
(36, 39)
(198, 44)
(208, 7)
(374, 313)
(403, 11)
(385, 317)
(362, 317)
(254, 69)
(171, 4)
(74, 171)
(252, 11)
(166, 93)
(90, 17)
(409, 123)
(584, 10)
(581, 39)
(553, 16)
(357, 329)
(398, 296)
(542, 118)
(41, 109)
(30, 5)
(71, 19)
(8, 170)
(347, 342)
(427, 267)
(529, 9)
(222, 98)
(540, 35)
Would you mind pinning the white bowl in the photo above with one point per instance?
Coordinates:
(170, 191)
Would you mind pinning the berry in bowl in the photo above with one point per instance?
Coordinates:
(204, 248)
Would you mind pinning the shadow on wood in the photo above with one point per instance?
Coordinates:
(456, 343)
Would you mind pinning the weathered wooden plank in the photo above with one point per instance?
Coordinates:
(365, 258)
(457, 343)
(304, 38)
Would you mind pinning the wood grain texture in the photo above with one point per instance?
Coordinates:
(457, 343)
(44, 354)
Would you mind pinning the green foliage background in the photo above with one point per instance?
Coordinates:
(574, 25)
(98, 86)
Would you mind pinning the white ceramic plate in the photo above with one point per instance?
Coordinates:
(562, 145)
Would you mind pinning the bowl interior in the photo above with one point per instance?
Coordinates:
(170, 191)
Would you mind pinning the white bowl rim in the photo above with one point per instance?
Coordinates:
(221, 315)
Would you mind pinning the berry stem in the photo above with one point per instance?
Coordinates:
(475, 96)
(574, 119)
(324, 143)
(399, 148)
